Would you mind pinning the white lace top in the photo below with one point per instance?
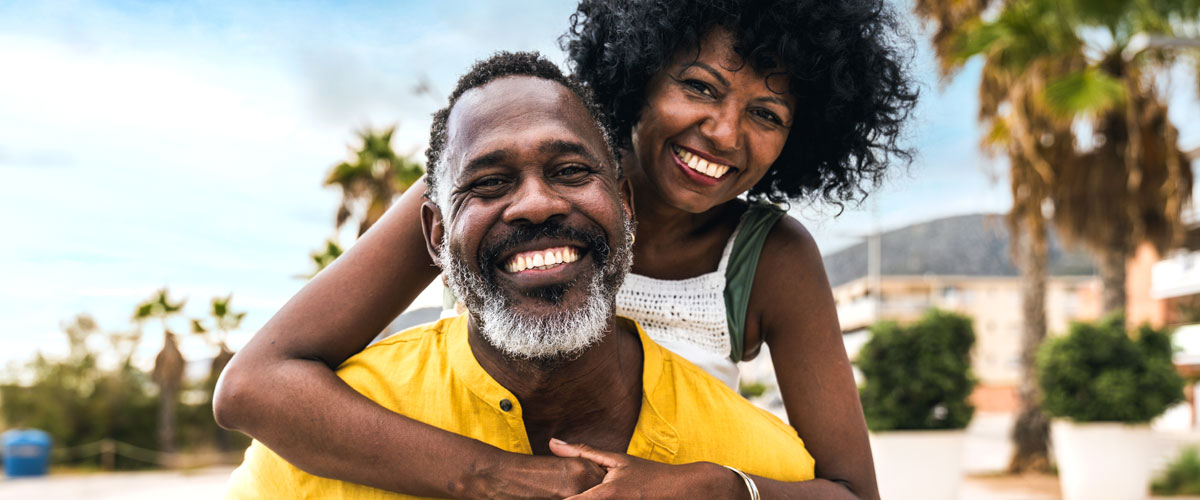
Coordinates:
(686, 316)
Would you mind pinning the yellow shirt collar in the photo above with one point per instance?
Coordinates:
(654, 437)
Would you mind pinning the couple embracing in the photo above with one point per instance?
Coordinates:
(612, 275)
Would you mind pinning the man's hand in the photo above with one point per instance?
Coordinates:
(632, 477)
(526, 477)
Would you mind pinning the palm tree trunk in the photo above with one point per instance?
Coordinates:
(1031, 432)
(1111, 266)
(166, 419)
(168, 374)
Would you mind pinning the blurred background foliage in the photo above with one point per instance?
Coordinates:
(103, 410)
(1181, 477)
(918, 377)
(86, 398)
(1098, 372)
(1074, 94)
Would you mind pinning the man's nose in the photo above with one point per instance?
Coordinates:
(534, 202)
(723, 128)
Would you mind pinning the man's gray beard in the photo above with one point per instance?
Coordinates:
(558, 336)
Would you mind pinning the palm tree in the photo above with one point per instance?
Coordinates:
(223, 321)
(168, 365)
(373, 177)
(323, 258)
(1050, 69)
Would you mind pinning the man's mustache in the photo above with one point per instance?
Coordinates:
(593, 240)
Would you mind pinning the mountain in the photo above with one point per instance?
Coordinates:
(964, 245)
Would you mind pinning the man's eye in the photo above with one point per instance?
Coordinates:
(574, 171)
(488, 184)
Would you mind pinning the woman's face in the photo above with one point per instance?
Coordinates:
(712, 125)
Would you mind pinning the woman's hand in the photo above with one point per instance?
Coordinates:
(631, 477)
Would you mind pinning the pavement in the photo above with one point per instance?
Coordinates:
(151, 485)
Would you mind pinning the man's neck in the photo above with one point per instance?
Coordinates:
(593, 399)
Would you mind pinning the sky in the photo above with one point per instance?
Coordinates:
(183, 144)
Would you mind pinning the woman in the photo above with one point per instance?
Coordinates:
(782, 100)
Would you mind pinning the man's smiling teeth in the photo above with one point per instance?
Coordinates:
(714, 170)
(542, 259)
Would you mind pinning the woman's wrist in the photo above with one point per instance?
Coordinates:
(722, 482)
(751, 488)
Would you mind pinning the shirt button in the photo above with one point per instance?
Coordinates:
(505, 404)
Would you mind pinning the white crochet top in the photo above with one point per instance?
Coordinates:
(686, 316)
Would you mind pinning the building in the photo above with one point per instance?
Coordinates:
(1164, 291)
(962, 264)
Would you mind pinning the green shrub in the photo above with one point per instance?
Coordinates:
(752, 389)
(1097, 373)
(1182, 476)
(918, 377)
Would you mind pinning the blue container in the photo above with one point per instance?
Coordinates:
(26, 452)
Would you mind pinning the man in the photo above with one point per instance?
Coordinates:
(530, 222)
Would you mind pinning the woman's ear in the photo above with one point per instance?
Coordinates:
(433, 229)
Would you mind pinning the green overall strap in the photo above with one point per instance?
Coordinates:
(739, 272)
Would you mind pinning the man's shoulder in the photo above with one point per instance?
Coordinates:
(410, 341)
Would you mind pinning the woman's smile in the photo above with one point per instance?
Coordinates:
(694, 162)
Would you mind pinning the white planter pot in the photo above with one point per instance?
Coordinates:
(1102, 460)
(918, 465)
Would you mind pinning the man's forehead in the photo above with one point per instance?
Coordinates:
(510, 109)
(497, 97)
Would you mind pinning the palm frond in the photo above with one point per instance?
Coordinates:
(1088, 92)
(372, 178)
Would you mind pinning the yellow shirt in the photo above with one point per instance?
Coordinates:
(429, 373)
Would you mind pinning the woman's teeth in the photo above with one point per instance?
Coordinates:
(711, 169)
(542, 259)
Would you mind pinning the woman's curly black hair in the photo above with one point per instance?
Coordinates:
(845, 61)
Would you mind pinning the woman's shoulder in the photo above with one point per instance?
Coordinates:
(790, 259)
(786, 241)
(789, 238)
(790, 282)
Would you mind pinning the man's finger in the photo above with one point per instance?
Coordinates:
(601, 458)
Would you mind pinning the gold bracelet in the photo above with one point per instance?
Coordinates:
(749, 483)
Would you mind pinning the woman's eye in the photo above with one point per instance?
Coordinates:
(699, 87)
(769, 116)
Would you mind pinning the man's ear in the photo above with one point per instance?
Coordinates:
(433, 229)
(626, 189)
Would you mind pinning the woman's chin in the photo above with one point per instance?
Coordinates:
(693, 202)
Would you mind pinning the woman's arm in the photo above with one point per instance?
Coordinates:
(792, 310)
(281, 388)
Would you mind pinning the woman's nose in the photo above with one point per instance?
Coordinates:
(723, 128)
